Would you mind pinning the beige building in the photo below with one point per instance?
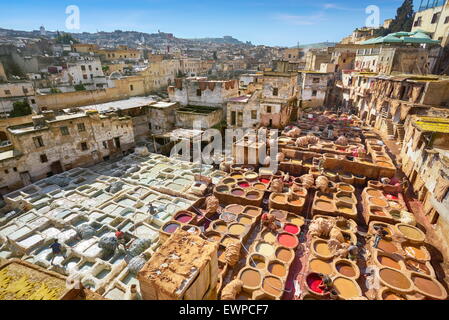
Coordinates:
(314, 87)
(315, 57)
(54, 143)
(244, 111)
(16, 91)
(433, 18)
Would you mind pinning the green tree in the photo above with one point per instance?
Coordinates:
(65, 38)
(404, 18)
(79, 87)
(20, 108)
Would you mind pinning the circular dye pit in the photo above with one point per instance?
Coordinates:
(346, 188)
(390, 295)
(324, 196)
(344, 209)
(264, 180)
(395, 279)
(419, 253)
(253, 195)
(244, 184)
(387, 246)
(237, 176)
(345, 198)
(320, 266)
(301, 192)
(171, 227)
(417, 266)
(378, 202)
(291, 228)
(297, 203)
(279, 214)
(280, 199)
(251, 176)
(265, 249)
(257, 261)
(245, 220)
(284, 254)
(324, 205)
(278, 269)
(237, 192)
(184, 217)
(411, 233)
(252, 212)
(215, 237)
(228, 217)
(272, 286)
(259, 186)
(237, 229)
(374, 193)
(314, 281)
(288, 240)
(388, 262)
(268, 236)
(295, 220)
(427, 286)
(346, 269)
(234, 208)
(222, 189)
(220, 227)
(378, 212)
(346, 288)
(251, 278)
(322, 249)
(229, 181)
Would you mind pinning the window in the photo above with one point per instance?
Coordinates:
(316, 80)
(38, 142)
(25, 90)
(275, 91)
(233, 118)
(314, 93)
(418, 22)
(64, 131)
(253, 114)
(6, 171)
(43, 158)
(85, 76)
(105, 144)
(90, 68)
(83, 68)
(269, 109)
(198, 92)
(15, 169)
(7, 92)
(81, 127)
(33, 101)
(84, 146)
(446, 20)
(436, 17)
(131, 87)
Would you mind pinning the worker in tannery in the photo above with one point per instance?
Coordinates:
(269, 221)
(380, 234)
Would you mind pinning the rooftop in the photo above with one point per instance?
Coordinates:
(131, 103)
(429, 124)
(418, 37)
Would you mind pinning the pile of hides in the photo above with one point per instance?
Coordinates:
(294, 132)
(136, 264)
(277, 186)
(138, 247)
(338, 249)
(231, 290)
(307, 181)
(108, 243)
(212, 205)
(336, 234)
(232, 253)
(322, 183)
(321, 227)
(85, 231)
(115, 187)
(142, 151)
(342, 141)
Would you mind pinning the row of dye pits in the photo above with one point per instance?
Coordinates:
(404, 269)
(344, 272)
(376, 203)
(269, 258)
(342, 202)
(238, 184)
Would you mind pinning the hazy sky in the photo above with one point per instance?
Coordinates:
(271, 22)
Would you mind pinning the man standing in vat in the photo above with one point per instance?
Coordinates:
(120, 235)
(56, 250)
(380, 233)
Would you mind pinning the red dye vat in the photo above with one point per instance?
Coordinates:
(184, 218)
(291, 228)
(244, 184)
(288, 240)
(264, 180)
(314, 281)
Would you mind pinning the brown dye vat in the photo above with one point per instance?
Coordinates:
(387, 246)
(378, 202)
(272, 286)
(346, 269)
(322, 248)
(251, 278)
(388, 262)
(395, 279)
(346, 188)
(416, 252)
(268, 236)
(295, 220)
(245, 220)
(345, 209)
(278, 269)
(236, 229)
(258, 263)
(279, 214)
(259, 186)
(298, 203)
(253, 212)
(326, 197)
(234, 208)
(390, 295)
(411, 233)
(374, 193)
(212, 236)
(301, 192)
(324, 205)
(346, 288)
(284, 255)
(229, 181)
(427, 286)
(220, 227)
(280, 199)
(417, 266)
(320, 266)
(378, 212)
(384, 164)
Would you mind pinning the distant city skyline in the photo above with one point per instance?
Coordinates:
(274, 23)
